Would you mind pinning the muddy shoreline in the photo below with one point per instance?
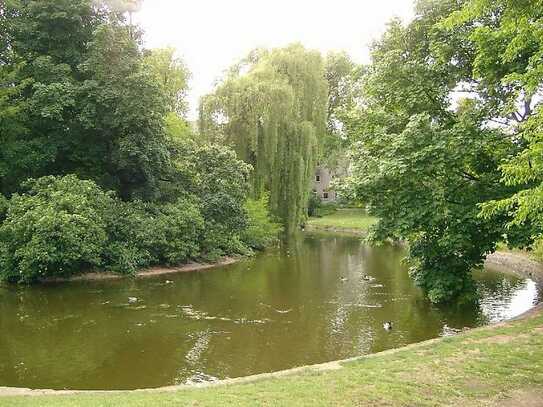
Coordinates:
(516, 263)
(145, 273)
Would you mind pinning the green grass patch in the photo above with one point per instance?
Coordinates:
(353, 219)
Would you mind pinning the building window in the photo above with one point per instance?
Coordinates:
(325, 195)
(317, 178)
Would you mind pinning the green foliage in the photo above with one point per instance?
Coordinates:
(173, 76)
(511, 53)
(173, 232)
(127, 249)
(344, 81)
(177, 129)
(44, 42)
(313, 205)
(212, 173)
(219, 180)
(143, 234)
(423, 167)
(261, 230)
(4, 205)
(125, 102)
(524, 173)
(507, 37)
(81, 99)
(424, 184)
(54, 229)
(63, 226)
(272, 109)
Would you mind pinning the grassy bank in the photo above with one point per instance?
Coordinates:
(493, 366)
(344, 219)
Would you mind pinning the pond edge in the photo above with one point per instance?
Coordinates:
(508, 262)
(147, 272)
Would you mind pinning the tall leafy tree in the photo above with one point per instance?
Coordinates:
(272, 109)
(80, 99)
(344, 81)
(45, 43)
(423, 165)
(509, 56)
(173, 76)
(121, 115)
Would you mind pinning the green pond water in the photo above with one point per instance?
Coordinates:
(305, 303)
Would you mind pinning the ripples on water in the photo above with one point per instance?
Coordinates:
(318, 299)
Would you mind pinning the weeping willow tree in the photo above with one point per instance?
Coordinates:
(272, 108)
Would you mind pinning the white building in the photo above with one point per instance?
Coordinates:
(322, 185)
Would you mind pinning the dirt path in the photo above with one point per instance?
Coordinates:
(522, 398)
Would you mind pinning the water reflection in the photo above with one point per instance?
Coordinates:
(317, 298)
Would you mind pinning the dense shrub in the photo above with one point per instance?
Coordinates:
(261, 231)
(217, 241)
(126, 251)
(225, 219)
(61, 226)
(218, 179)
(173, 232)
(55, 228)
(144, 234)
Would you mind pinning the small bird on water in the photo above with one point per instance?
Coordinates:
(388, 326)
(132, 300)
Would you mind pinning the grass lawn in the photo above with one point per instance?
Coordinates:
(352, 219)
(493, 366)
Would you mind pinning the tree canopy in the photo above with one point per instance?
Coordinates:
(444, 132)
(271, 108)
(82, 101)
(444, 100)
(344, 78)
(97, 166)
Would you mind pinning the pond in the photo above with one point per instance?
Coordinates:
(318, 298)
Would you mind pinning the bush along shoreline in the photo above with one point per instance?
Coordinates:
(63, 227)
(99, 167)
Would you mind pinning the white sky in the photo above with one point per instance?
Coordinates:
(211, 35)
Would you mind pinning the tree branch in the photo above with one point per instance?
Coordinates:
(469, 176)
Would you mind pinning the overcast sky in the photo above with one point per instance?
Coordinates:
(210, 35)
